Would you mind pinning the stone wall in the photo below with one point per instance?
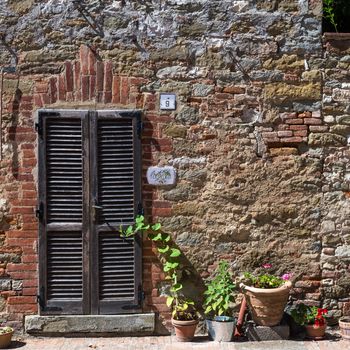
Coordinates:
(334, 143)
(259, 138)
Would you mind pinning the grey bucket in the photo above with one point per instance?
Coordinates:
(221, 328)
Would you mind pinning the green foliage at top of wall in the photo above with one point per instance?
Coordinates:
(336, 14)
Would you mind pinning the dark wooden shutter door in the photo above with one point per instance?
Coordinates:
(89, 185)
(116, 199)
(62, 230)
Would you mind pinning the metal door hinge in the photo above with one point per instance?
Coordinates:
(39, 128)
(139, 127)
(141, 295)
(39, 212)
(140, 209)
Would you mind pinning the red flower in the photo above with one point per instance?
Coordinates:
(319, 319)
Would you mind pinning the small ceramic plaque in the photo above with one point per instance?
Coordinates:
(165, 175)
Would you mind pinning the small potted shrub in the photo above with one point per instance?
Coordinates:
(312, 318)
(5, 337)
(184, 314)
(219, 297)
(266, 295)
(184, 317)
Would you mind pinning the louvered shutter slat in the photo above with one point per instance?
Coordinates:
(64, 265)
(64, 151)
(118, 195)
(116, 267)
(61, 170)
(115, 168)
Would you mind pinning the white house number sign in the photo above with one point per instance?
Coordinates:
(167, 102)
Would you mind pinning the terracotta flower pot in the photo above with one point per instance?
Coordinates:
(315, 332)
(267, 305)
(5, 340)
(184, 330)
(344, 325)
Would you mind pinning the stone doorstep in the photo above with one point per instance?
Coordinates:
(117, 325)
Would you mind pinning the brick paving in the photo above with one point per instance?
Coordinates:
(170, 343)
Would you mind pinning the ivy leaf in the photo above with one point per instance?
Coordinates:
(140, 219)
(157, 237)
(170, 266)
(156, 227)
(176, 287)
(175, 252)
(169, 301)
(129, 230)
(166, 237)
(163, 250)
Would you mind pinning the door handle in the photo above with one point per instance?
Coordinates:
(94, 210)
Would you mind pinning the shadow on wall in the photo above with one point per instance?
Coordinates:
(13, 126)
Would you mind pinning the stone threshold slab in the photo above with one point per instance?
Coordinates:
(113, 325)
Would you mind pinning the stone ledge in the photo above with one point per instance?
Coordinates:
(113, 325)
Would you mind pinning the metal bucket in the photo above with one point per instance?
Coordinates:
(221, 328)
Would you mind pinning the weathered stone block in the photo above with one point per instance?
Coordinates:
(327, 226)
(5, 284)
(21, 6)
(133, 324)
(327, 139)
(180, 193)
(285, 63)
(343, 119)
(340, 129)
(281, 92)
(175, 131)
(341, 95)
(202, 90)
(195, 177)
(343, 251)
(188, 115)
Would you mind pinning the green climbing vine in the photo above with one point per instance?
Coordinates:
(170, 257)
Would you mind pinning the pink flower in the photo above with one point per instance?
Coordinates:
(286, 276)
(267, 266)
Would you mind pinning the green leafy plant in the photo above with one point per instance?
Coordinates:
(308, 315)
(5, 330)
(220, 293)
(182, 307)
(329, 13)
(265, 279)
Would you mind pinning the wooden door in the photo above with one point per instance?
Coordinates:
(89, 185)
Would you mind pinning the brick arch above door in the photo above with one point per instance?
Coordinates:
(88, 79)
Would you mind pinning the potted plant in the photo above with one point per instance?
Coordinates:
(184, 317)
(266, 295)
(5, 336)
(184, 314)
(312, 318)
(219, 297)
(344, 325)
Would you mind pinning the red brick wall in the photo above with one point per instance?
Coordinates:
(84, 83)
